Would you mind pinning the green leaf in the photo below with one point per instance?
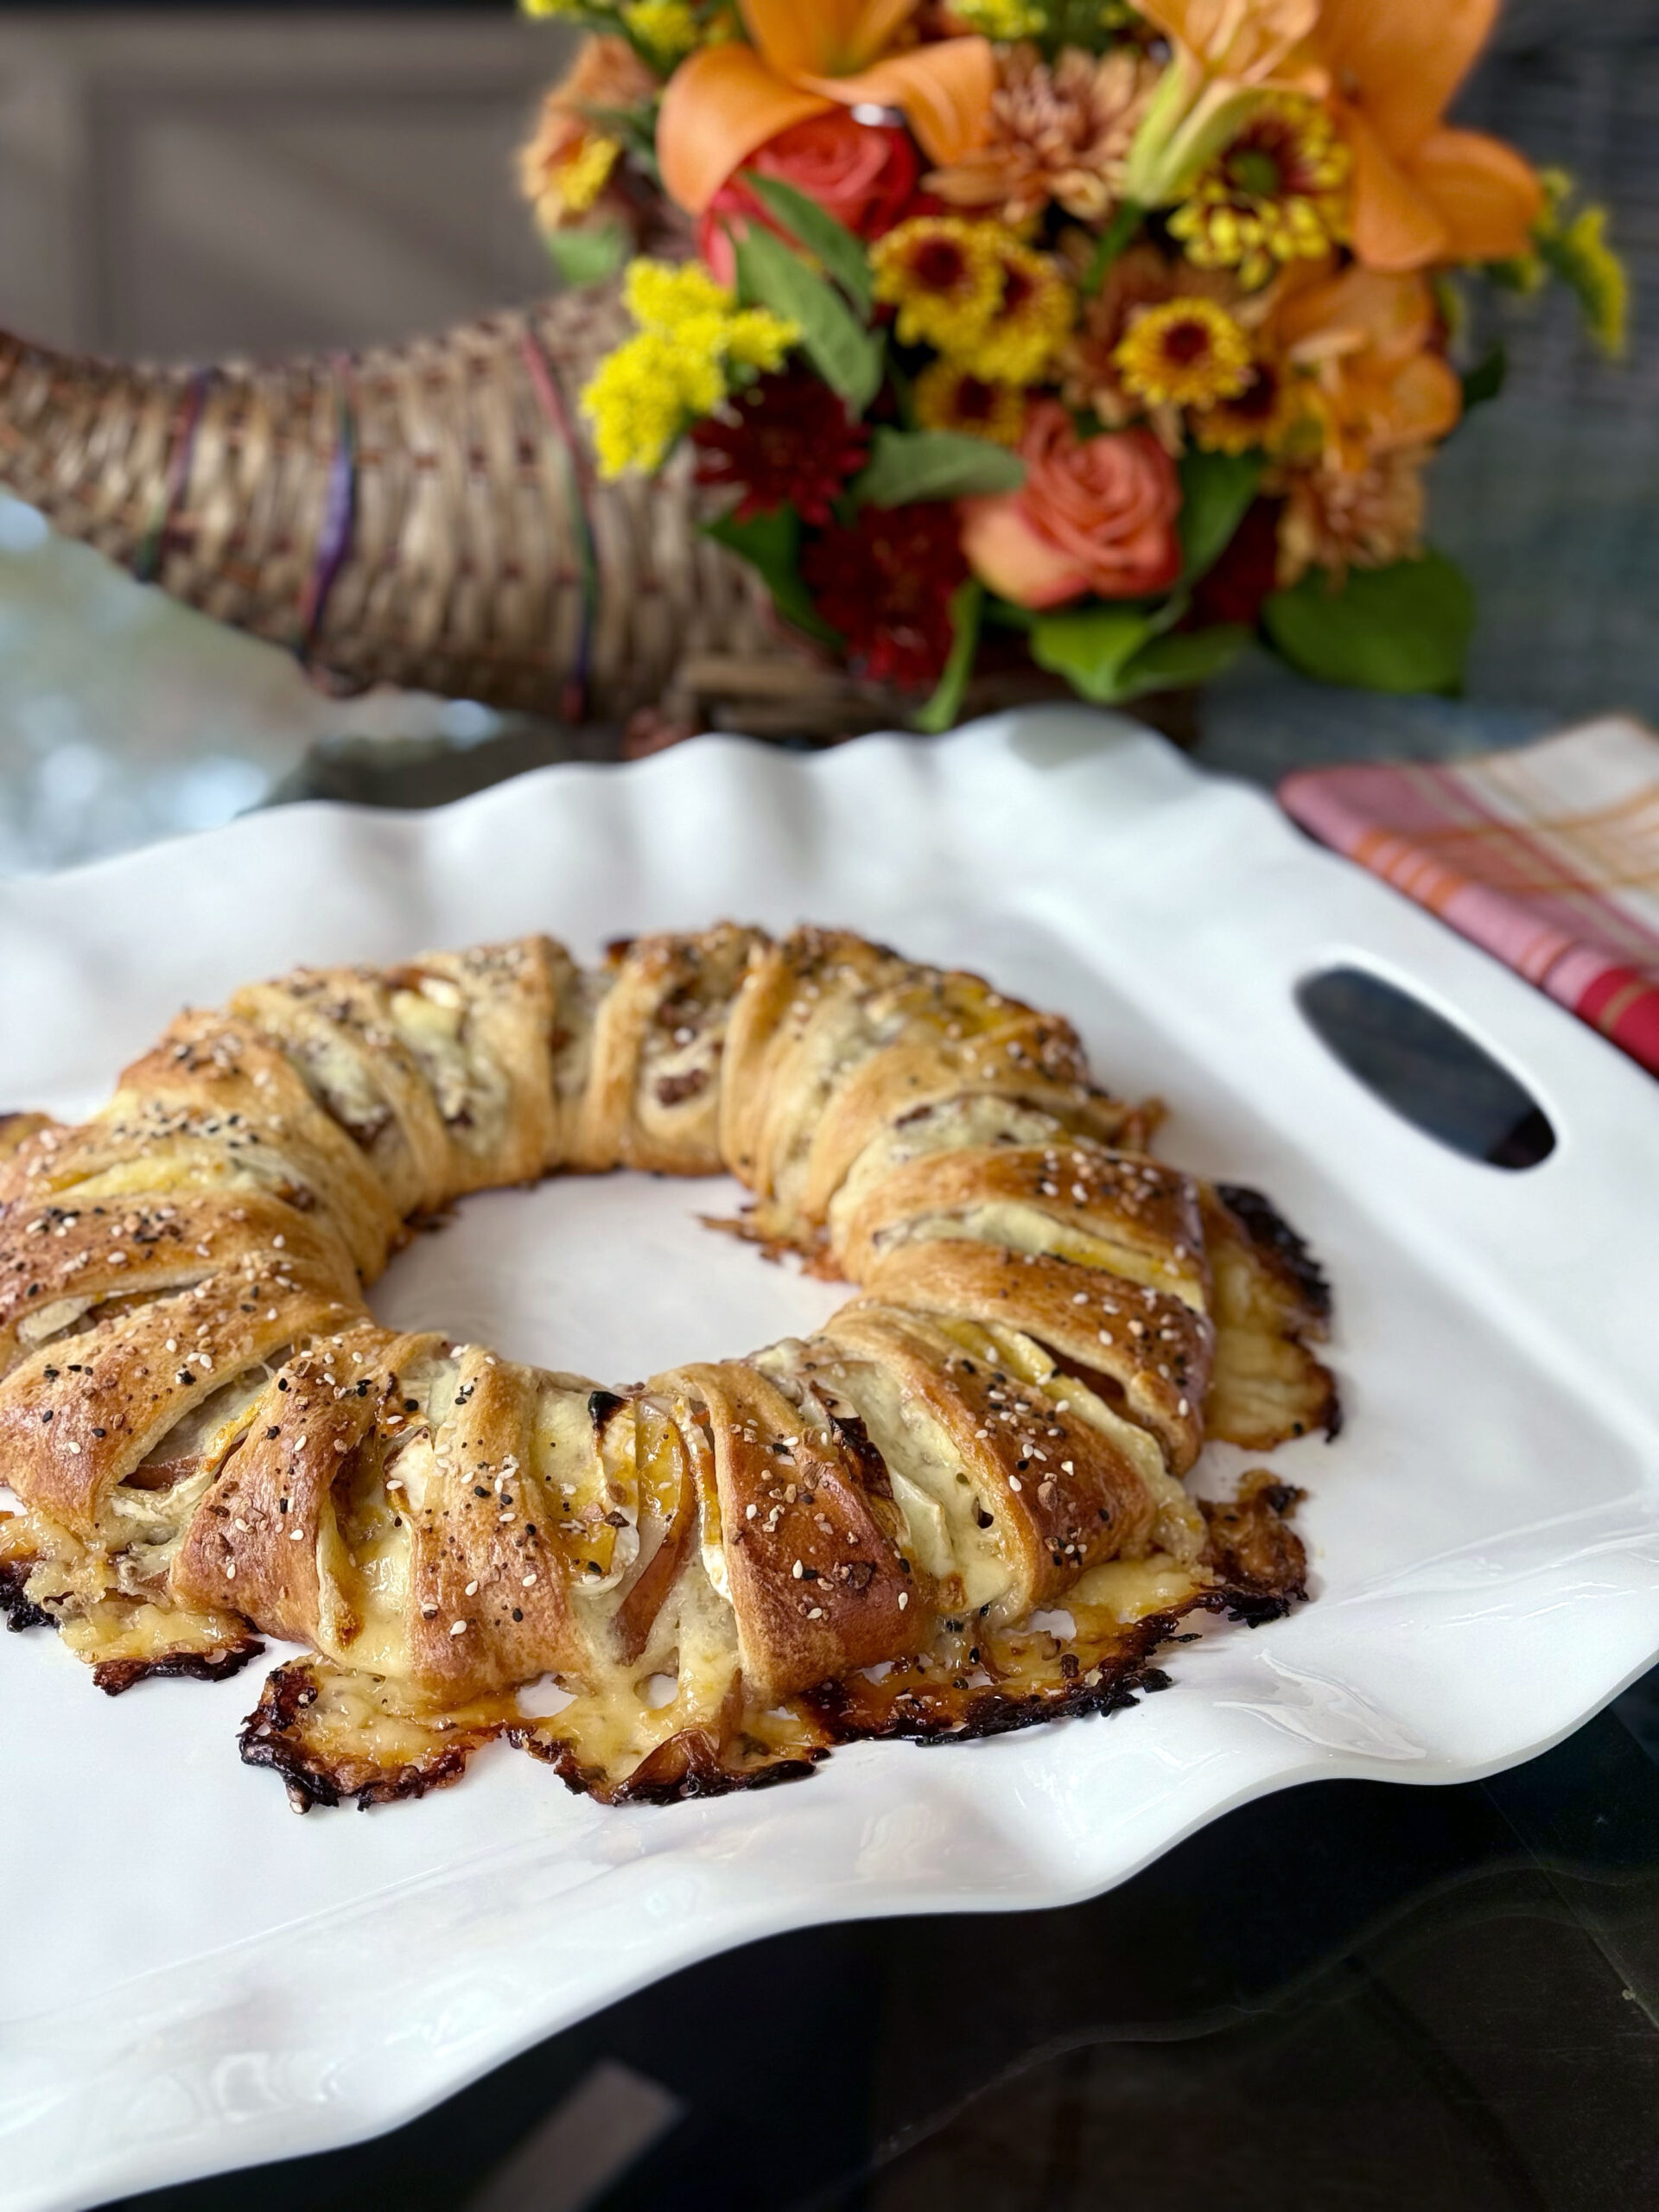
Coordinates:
(821, 234)
(771, 545)
(1404, 629)
(589, 256)
(844, 353)
(1216, 488)
(1486, 380)
(1090, 647)
(633, 128)
(906, 465)
(966, 602)
(1184, 656)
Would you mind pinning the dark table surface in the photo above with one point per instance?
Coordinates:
(1348, 1996)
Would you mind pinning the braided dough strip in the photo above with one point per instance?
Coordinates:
(726, 1570)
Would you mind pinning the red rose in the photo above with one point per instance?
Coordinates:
(863, 174)
(1093, 515)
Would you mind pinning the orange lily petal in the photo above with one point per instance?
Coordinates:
(823, 38)
(1394, 315)
(1395, 225)
(720, 105)
(943, 90)
(1487, 195)
(1424, 402)
(1402, 59)
(1248, 46)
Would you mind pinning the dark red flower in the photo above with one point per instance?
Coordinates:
(885, 583)
(789, 443)
(1234, 590)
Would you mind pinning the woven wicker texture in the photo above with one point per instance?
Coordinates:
(426, 516)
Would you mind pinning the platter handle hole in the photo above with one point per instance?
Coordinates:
(1424, 1068)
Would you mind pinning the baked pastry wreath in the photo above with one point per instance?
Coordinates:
(957, 1509)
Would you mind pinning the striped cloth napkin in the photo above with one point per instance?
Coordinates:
(1546, 855)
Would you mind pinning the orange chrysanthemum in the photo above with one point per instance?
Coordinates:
(1057, 133)
(1364, 349)
(570, 156)
(1336, 519)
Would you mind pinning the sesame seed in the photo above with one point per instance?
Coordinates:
(472, 1590)
(73, 1447)
(904, 1599)
(457, 1628)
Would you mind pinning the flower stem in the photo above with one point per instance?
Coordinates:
(1112, 241)
(943, 708)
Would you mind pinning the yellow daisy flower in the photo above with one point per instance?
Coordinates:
(1277, 192)
(943, 275)
(1256, 418)
(1032, 320)
(949, 397)
(1188, 353)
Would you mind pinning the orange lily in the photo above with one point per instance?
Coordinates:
(806, 57)
(1422, 193)
(1363, 343)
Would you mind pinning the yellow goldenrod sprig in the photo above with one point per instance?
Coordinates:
(693, 343)
(1574, 247)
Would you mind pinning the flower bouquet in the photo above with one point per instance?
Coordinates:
(1066, 335)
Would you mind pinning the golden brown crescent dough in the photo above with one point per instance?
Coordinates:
(955, 1510)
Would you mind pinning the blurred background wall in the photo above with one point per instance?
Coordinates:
(232, 179)
(226, 180)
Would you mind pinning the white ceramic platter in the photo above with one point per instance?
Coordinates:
(195, 1979)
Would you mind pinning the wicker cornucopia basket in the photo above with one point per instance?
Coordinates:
(427, 515)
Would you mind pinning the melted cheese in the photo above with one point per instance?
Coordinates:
(1018, 1227)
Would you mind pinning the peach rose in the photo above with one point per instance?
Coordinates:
(863, 174)
(1093, 515)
